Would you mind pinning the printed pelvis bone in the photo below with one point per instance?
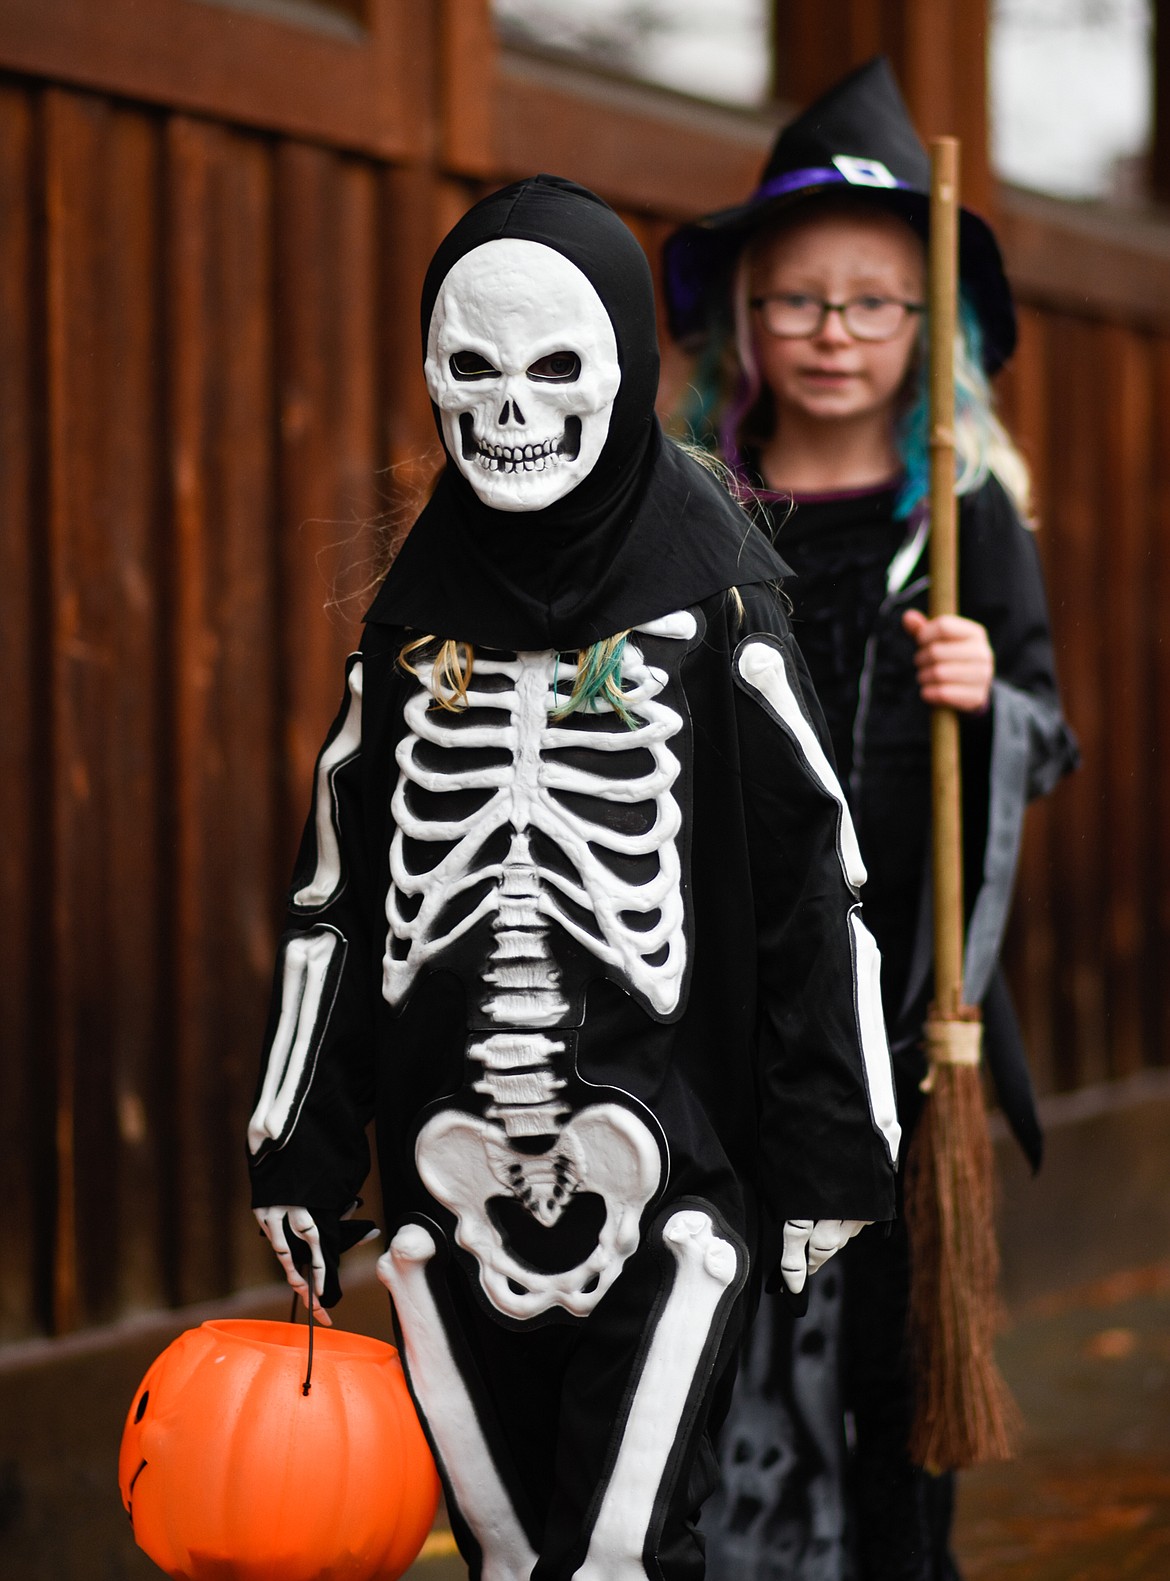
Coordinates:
(522, 363)
(526, 1141)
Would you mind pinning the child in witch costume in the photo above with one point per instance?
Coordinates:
(576, 920)
(810, 301)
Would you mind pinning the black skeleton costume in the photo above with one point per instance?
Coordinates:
(600, 975)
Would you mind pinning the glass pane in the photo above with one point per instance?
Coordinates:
(719, 51)
(1072, 95)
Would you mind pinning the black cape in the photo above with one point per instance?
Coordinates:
(862, 665)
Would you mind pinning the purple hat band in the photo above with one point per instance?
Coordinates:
(864, 173)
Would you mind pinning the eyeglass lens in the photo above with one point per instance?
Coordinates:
(795, 316)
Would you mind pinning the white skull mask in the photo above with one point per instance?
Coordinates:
(522, 362)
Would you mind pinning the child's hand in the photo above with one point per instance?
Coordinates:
(954, 660)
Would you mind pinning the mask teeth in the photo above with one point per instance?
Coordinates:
(518, 458)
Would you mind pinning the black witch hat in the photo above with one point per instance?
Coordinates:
(858, 139)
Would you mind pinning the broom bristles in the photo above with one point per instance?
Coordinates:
(964, 1413)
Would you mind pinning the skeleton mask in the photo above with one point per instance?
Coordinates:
(522, 362)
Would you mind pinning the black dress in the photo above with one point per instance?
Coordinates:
(817, 1485)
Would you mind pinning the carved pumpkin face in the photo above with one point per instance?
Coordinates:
(228, 1470)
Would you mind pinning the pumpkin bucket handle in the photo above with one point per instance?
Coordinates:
(308, 1383)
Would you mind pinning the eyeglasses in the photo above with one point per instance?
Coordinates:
(792, 315)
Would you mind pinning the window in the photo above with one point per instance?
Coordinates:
(719, 51)
(1072, 95)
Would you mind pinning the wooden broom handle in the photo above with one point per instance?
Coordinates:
(942, 304)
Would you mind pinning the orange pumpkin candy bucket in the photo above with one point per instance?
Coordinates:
(231, 1469)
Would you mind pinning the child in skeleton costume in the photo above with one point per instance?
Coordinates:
(576, 919)
(810, 297)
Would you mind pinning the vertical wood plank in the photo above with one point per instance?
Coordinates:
(812, 43)
(244, 877)
(125, 220)
(189, 1252)
(79, 591)
(226, 678)
(467, 51)
(26, 1136)
(1157, 947)
(357, 398)
(1077, 495)
(410, 230)
(1126, 396)
(100, 174)
(306, 379)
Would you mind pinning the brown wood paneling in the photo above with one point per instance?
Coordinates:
(328, 78)
(194, 1259)
(411, 228)
(1077, 495)
(690, 157)
(467, 56)
(100, 175)
(243, 873)
(1126, 614)
(319, 513)
(815, 45)
(26, 873)
(224, 678)
(123, 216)
(1157, 883)
(1082, 259)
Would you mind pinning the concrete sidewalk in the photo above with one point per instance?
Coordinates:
(1088, 1496)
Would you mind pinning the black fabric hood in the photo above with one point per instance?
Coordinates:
(646, 532)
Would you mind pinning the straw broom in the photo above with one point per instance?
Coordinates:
(963, 1411)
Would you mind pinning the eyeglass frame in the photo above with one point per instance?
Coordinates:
(826, 307)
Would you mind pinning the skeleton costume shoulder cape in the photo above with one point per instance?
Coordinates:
(600, 976)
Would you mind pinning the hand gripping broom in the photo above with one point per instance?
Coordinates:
(963, 1411)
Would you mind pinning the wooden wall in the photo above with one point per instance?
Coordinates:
(193, 400)
(1089, 395)
(209, 387)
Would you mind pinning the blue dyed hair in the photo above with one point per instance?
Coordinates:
(598, 682)
(982, 445)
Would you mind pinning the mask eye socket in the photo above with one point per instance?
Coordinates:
(559, 367)
(470, 365)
